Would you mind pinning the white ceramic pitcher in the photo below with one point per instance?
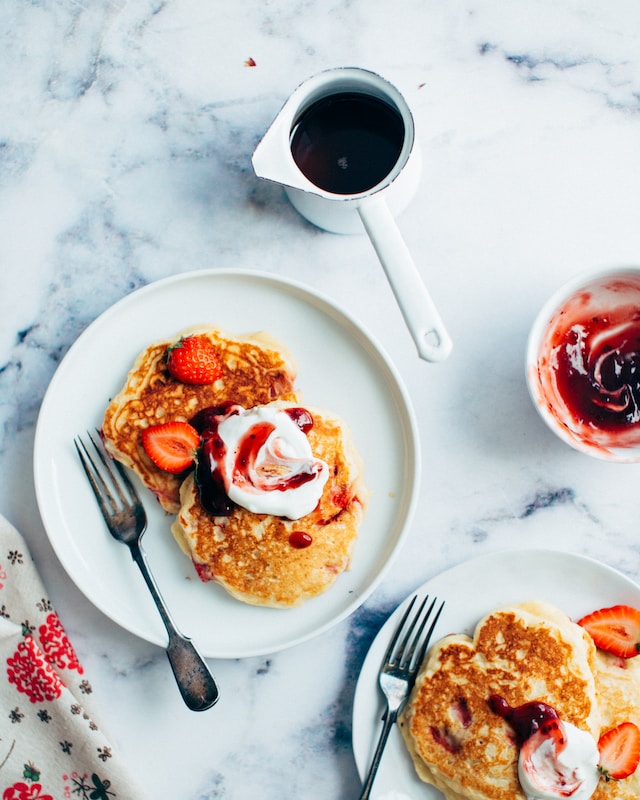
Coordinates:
(372, 211)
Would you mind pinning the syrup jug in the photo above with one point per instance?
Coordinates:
(344, 148)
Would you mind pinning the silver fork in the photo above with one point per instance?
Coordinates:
(398, 672)
(126, 520)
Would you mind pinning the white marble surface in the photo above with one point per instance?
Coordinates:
(126, 131)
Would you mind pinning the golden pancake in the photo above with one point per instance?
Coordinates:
(257, 557)
(256, 369)
(522, 653)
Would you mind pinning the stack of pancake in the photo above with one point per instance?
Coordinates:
(250, 554)
(526, 652)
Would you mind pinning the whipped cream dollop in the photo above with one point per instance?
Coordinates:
(549, 768)
(266, 462)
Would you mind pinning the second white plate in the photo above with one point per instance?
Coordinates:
(340, 368)
(575, 584)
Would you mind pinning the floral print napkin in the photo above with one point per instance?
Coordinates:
(51, 747)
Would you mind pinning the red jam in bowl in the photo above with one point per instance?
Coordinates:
(587, 371)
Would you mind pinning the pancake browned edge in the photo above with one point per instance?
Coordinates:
(250, 554)
(531, 651)
(256, 369)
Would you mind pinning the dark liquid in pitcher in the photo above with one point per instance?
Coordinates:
(347, 143)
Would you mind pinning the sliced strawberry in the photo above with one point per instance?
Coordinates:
(194, 360)
(615, 629)
(171, 445)
(619, 751)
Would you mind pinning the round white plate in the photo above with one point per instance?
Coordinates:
(340, 368)
(574, 584)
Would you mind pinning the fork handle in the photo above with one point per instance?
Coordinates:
(388, 719)
(195, 681)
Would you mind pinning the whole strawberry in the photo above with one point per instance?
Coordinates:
(194, 360)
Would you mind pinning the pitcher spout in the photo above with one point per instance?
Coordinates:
(272, 159)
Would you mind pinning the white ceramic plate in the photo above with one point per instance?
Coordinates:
(340, 368)
(575, 584)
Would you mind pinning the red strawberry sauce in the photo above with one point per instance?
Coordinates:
(526, 719)
(598, 368)
(589, 364)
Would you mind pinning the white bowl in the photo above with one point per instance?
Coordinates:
(582, 374)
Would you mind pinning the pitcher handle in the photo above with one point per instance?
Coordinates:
(417, 307)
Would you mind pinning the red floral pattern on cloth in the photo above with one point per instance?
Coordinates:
(24, 791)
(51, 747)
(56, 645)
(32, 674)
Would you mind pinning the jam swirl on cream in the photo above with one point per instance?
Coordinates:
(260, 459)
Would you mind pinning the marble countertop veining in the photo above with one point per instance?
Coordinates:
(126, 133)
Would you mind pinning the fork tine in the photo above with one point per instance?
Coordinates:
(404, 656)
(109, 464)
(427, 638)
(416, 638)
(103, 490)
(106, 463)
(96, 481)
(398, 631)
